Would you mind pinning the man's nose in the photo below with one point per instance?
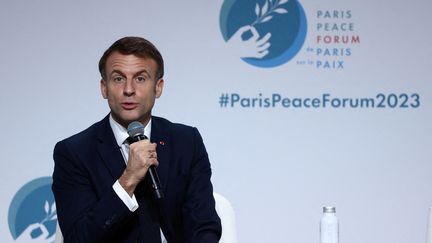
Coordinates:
(129, 88)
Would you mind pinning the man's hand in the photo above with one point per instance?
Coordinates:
(142, 155)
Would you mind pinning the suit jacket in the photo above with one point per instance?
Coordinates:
(88, 164)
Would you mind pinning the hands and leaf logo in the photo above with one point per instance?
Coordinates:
(263, 33)
(32, 213)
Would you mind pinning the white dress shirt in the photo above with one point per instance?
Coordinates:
(121, 134)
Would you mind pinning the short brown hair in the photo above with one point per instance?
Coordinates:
(137, 46)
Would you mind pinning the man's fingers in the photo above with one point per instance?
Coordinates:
(142, 146)
(152, 154)
(153, 161)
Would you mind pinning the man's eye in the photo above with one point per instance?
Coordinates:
(140, 79)
(118, 79)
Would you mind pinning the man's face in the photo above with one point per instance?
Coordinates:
(131, 87)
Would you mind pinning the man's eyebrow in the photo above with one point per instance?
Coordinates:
(118, 72)
(136, 74)
(143, 71)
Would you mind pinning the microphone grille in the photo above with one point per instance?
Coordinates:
(135, 128)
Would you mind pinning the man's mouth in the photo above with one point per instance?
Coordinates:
(129, 105)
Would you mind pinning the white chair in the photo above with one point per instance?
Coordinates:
(59, 236)
(227, 216)
(224, 210)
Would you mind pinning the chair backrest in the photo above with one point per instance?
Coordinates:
(227, 216)
(59, 235)
(224, 210)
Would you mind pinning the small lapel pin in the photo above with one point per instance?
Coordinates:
(162, 143)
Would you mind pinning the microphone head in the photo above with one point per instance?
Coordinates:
(135, 128)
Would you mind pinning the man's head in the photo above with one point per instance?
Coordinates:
(137, 46)
(132, 71)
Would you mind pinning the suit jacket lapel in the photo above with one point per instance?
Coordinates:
(161, 136)
(109, 150)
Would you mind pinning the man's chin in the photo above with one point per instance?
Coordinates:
(127, 119)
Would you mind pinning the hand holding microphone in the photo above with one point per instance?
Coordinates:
(142, 161)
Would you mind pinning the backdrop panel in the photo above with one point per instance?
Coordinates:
(333, 107)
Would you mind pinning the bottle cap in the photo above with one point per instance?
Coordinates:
(329, 209)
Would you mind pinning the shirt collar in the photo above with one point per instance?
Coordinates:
(120, 133)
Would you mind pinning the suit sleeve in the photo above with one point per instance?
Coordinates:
(201, 222)
(84, 215)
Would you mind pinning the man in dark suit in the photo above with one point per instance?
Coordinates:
(100, 181)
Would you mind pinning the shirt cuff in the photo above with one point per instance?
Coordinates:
(131, 203)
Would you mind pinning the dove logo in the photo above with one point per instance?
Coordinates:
(32, 212)
(263, 33)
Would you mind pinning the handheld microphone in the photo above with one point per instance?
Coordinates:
(136, 133)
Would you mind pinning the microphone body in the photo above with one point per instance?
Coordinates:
(138, 136)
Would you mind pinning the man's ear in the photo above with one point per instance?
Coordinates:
(104, 89)
(159, 87)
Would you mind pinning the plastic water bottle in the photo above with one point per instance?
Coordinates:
(329, 227)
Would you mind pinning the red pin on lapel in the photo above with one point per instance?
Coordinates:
(162, 143)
